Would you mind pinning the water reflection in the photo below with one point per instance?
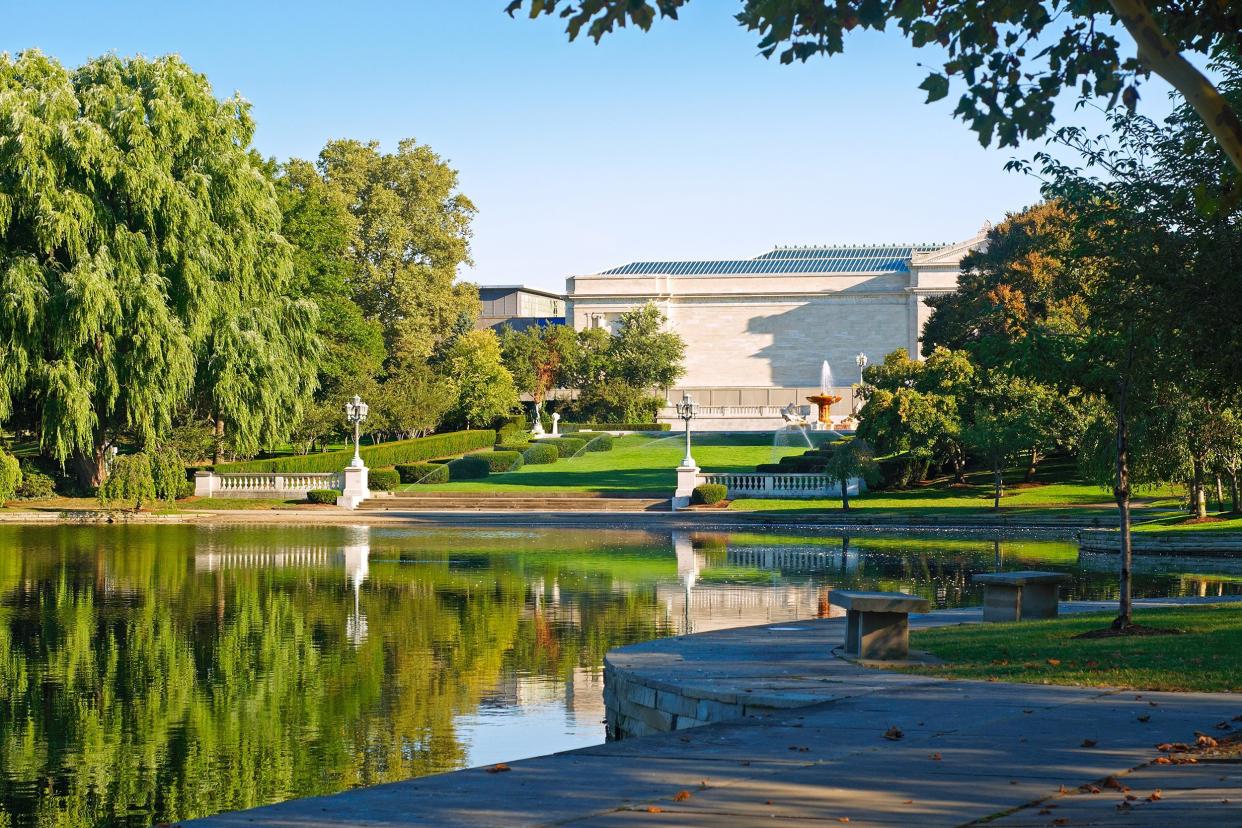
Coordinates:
(161, 672)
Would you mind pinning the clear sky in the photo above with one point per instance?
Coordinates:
(681, 143)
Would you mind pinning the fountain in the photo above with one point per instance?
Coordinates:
(823, 399)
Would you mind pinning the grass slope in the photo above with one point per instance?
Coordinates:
(1207, 657)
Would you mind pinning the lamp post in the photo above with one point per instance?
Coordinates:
(355, 413)
(686, 410)
(861, 362)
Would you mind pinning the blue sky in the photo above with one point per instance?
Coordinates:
(681, 143)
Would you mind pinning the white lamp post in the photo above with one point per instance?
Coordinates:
(861, 362)
(686, 410)
(355, 413)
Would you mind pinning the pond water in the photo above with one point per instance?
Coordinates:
(156, 673)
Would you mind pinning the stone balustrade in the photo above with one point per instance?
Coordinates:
(274, 485)
(757, 484)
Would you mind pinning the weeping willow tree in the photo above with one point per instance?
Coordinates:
(141, 263)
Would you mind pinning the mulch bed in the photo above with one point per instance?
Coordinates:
(1132, 630)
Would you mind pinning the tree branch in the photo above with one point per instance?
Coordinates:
(1159, 53)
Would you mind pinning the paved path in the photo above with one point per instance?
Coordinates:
(969, 751)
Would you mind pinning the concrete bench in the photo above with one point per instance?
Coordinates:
(877, 623)
(1020, 596)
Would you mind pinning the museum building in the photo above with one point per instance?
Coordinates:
(759, 331)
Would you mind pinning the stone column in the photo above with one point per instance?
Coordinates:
(204, 483)
(556, 424)
(355, 489)
(687, 479)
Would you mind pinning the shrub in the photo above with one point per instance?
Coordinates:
(10, 477)
(900, 472)
(540, 454)
(569, 428)
(167, 474)
(510, 433)
(383, 480)
(129, 481)
(596, 441)
(709, 493)
(518, 446)
(34, 484)
(328, 496)
(566, 446)
(501, 461)
(470, 467)
(385, 454)
(423, 473)
(771, 468)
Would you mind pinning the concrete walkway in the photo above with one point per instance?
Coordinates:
(1021, 755)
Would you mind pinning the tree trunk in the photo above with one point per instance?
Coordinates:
(218, 454)
(1121, 491)
(998, 485)
(1220, 494)
(845, 494)
(1030, 469)
(1198, 491)
(92, 467)
(959, 466)
(1233, 492)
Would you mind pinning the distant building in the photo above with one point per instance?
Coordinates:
(519, 307)
(758, 331)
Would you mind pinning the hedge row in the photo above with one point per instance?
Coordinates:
(540, 454)
(383, 480)
(423, 472)
(385, 454)
(572, 427)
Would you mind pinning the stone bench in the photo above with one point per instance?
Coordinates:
(1020, 596)
(877, 623)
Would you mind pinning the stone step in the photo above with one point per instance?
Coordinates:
(517, 503)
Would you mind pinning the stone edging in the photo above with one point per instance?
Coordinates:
(1224, 544)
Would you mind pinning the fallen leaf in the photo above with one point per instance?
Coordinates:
(1043, 811)
(1088, 742)
(1062, 790)
(500, 767)
(935, 757)
(1060, 821)
(843, 819)
(1131, 797)
(1164, 760)
(1111, 782)
(1055, 662)
(1092, 789)
(1205, 742)
(893, 733)
(1146, 717)
(681, 796)
(654, 809)
(1155, 795)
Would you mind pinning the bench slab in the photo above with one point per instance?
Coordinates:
(1020, 596)
(1020, 578)
(878, 601)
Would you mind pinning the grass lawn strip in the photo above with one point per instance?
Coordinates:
(1206, 657)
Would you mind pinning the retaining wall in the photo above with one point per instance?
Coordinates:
(1168, 543)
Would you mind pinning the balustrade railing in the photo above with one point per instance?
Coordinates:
(758, 484)
(265, 484)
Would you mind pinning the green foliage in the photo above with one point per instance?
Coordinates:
(570, 428)
(384, 454)
(423, 472)
(412, 401)
(168, 475)
(519, 446)
(1009, 86)
(409, 233)
(129, 481)
(539, 358)
(511, 433)
(141, 259)
(499, 461)
(485, 390)
(565, 446)
(35, 485)
(10, 476)
(383, 480)
(615, 375)
(853, 458)
(540, 454)
(709, 494)
(470, 467)
(323, 496)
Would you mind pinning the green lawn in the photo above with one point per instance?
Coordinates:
(636, 464)
(1182, 523)
(1206, 657)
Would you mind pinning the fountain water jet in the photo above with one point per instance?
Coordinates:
(823, 399)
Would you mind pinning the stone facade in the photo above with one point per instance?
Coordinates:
(759, 330)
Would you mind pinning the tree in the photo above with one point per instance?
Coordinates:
(852, 459)
(412, 401)
(1226, 443)
(10, 476)
(410, 232)
(129, 480)
(168, 480)
(485, 390)
(539, 358)
(1009, 416)
(140, 259)
(1012, 59)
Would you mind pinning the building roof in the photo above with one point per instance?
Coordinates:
(870, 258)
(523, 289)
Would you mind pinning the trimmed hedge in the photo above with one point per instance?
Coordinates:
(470, 467)
(383, 480)
(328, 496)
(511, 433)
(709, 494)
(385, 454)
(595, 441)
(565, 446)
(572, 427)
(423, 473)
(518, 446)
(501, 461)
(540, 454)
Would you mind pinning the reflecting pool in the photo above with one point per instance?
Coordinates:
(155, 673)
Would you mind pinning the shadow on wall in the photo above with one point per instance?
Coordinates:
(834, 328)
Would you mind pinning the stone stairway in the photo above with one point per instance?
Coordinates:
(515, 502)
